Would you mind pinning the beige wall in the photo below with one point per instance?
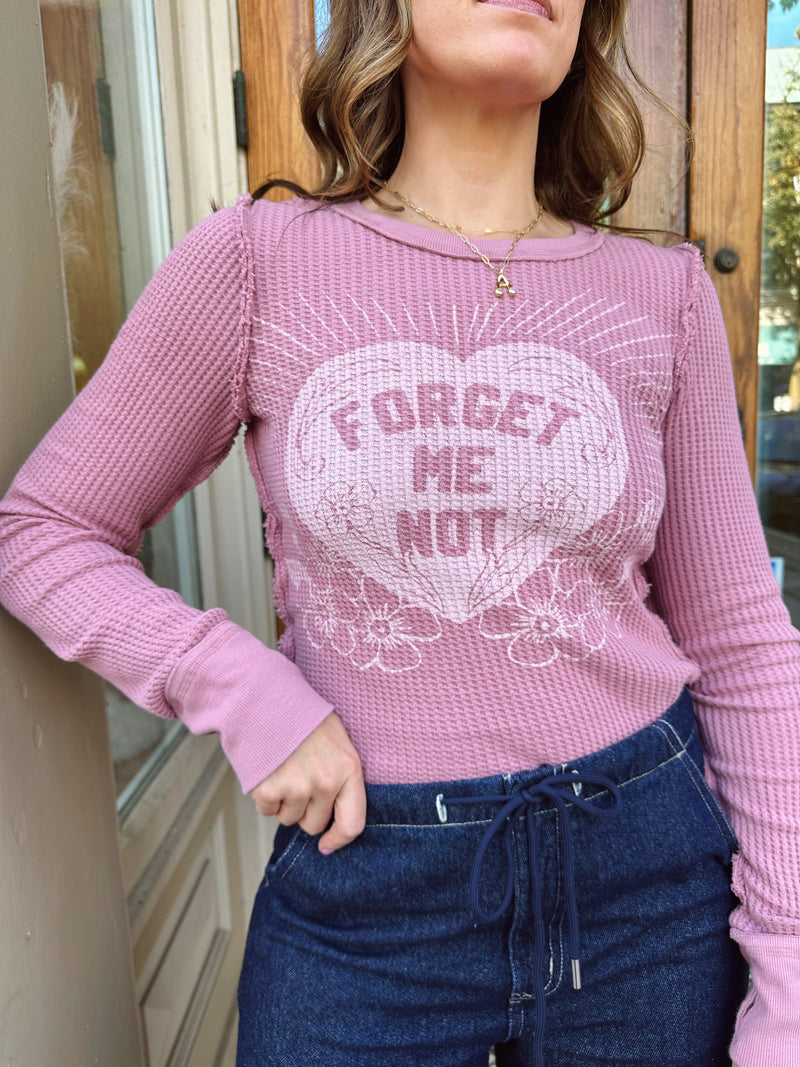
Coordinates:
(66, 991)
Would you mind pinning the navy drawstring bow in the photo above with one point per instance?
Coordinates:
(555, 786)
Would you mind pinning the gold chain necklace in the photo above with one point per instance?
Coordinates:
(502, 284)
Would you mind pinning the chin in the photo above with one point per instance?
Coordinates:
(511, 87)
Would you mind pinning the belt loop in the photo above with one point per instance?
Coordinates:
(577, 786)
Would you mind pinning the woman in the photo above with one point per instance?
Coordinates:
(512, 525)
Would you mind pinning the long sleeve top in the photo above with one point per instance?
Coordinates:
(506, 531)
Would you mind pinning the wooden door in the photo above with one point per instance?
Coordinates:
(659, 46)
(277, 37)
(75, 66)
(727, 112)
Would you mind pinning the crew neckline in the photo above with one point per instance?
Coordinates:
(583, 240)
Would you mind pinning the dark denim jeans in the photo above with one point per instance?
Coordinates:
(375, 957)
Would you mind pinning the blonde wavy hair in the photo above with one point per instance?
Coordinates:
(591, 137)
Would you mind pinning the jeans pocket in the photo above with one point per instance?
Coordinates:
(698, 779)
(290, 841)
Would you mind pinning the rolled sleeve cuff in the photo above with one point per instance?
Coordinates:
(252, 696)
(768, 1024)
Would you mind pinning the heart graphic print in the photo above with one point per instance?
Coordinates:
(450, 482)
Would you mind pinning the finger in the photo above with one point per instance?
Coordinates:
(266, 799)
(317, 815)
(265, 807)
(292, 811)
(286, 801)
(349, 815)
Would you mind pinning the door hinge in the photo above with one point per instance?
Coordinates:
(240, 110)
(106, 117)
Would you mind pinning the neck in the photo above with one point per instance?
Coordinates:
(471, 166)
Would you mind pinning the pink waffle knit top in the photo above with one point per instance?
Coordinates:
(506, 531)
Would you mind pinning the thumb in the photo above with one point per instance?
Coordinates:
(349, 815)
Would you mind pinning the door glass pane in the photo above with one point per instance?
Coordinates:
(110, 193)
(322, 17)
(778, 456)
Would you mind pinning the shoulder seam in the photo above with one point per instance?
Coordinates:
(241, 407)
(696, 268)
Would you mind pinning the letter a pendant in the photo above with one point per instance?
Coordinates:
(504, 284)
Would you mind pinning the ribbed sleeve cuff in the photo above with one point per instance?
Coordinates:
(768, 1024)
(256, 700)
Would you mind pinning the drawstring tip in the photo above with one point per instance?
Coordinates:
(576, 974)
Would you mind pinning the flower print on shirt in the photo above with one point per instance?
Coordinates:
(548, 500)
(326, 600)
(359, 618)
(552, 615)
(387, 631)
(346, 507)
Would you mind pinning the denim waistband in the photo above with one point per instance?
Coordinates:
(415, 803)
